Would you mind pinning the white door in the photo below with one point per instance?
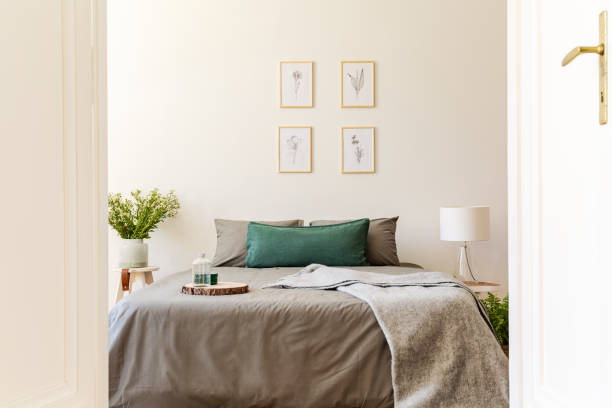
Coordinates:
(560, 210)
(52, 204)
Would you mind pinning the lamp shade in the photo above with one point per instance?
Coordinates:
(464, 223)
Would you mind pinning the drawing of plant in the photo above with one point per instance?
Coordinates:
(359, 150)
(293, 143)
(357, 81)
(297, 81)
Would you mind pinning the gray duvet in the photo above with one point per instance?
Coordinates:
(266, 348)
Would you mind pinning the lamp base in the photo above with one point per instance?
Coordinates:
(465, 271)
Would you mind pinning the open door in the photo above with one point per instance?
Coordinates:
(560, 201)
(53, 348)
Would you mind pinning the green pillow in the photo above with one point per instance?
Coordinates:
(333, 245)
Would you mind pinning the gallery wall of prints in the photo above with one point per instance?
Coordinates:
(356, 91)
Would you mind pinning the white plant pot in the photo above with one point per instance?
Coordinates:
(133, 253)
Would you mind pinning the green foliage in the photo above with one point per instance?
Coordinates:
(135, 218)
(497, 309)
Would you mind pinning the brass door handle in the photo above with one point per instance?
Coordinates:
(598, 49)
(602, 50)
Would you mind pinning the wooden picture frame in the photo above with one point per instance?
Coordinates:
(294, 149)
(296, 84)
(362, 140)
(357, 86)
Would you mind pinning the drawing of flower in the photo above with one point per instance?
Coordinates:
(359, 150)
(357, 81)
(293, 143)
(297, 81)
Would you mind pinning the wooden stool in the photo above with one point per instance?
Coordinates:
(141, 276)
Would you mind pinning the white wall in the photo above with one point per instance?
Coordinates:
(194, 106)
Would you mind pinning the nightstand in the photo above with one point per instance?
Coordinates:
(129, 276)
(481, 289)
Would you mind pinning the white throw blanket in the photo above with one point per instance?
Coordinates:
(443, 350)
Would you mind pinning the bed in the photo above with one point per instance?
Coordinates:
(266, 348)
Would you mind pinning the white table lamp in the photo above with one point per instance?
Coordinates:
(465, 224)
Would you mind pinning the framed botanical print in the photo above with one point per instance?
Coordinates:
(296, 84)
(294, 149)
(357, 84)
(358, 150)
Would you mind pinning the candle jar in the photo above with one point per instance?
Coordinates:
(200, 271)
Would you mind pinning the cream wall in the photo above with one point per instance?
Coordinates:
(194, 106)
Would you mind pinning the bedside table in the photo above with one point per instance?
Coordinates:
(481, 289)
(141, 276)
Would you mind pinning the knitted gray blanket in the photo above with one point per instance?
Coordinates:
(443, 350)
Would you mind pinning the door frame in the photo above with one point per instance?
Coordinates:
(86, 174)
(84, 129)
(85, 193)
(80, 354)
(524, 206)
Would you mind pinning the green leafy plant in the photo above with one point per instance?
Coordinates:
(497, 309)
(138, 216)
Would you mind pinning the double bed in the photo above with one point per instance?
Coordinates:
(266, 348)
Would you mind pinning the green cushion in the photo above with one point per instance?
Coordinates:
(333, 245)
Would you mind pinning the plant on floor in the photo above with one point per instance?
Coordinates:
(497, 309)
(137, 217)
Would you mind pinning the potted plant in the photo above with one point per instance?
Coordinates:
(135, 218)
(497, 309)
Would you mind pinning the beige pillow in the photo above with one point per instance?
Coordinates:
(381, 248)
(231, 240)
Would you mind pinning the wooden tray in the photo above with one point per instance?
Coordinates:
(220, 289)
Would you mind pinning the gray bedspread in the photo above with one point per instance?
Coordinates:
(425, 317)
(266, 348)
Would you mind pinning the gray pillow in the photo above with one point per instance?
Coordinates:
(231, 240)
(381, 248)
